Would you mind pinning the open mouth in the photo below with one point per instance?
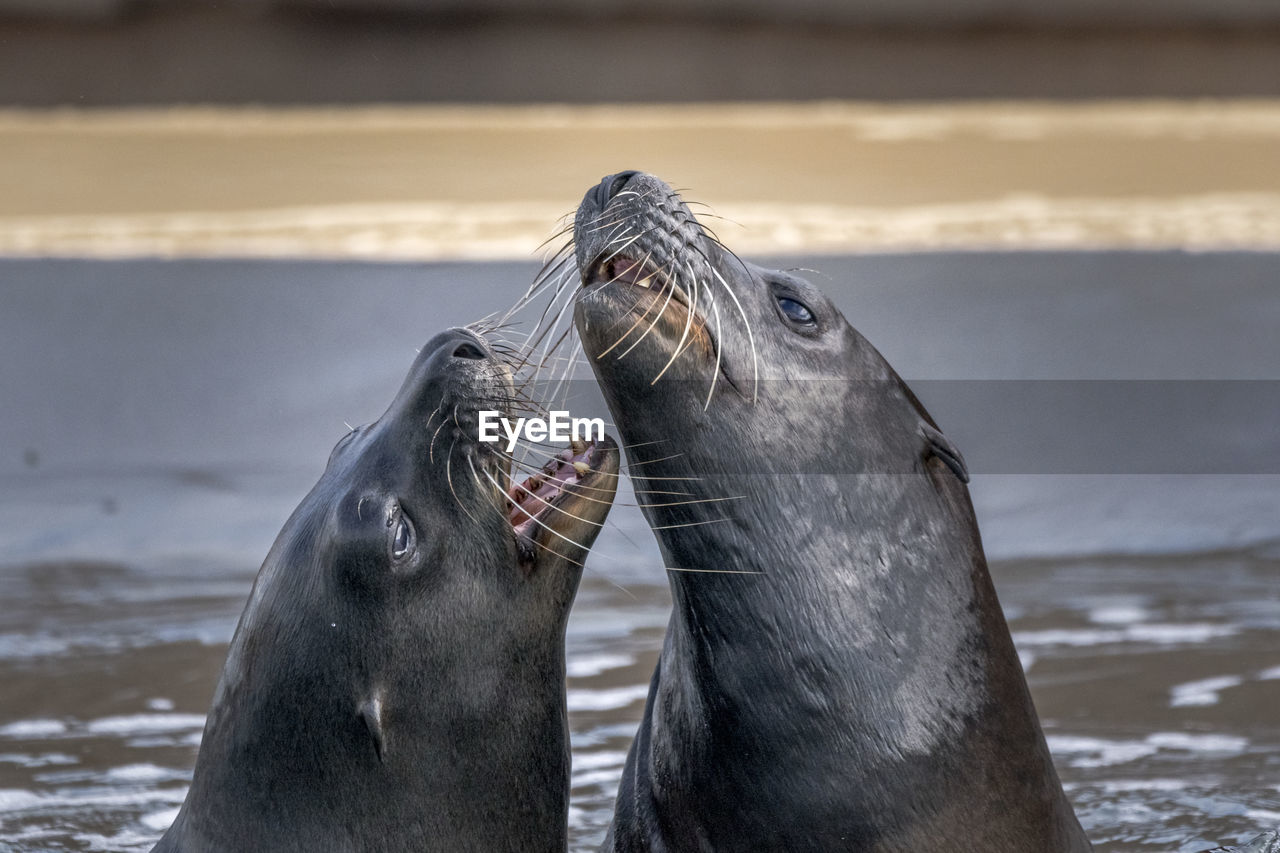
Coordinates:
(661, 300)
(568, 492)
(635, 273)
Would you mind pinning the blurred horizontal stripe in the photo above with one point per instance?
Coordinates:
(425, 183)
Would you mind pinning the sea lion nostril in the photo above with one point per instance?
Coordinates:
(468, 350)
(612, 185)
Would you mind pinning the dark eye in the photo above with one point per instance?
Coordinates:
(796, 311)
(402, 540)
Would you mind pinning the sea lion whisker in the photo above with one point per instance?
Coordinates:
(544, 336)
(567, 229)
(522, 487)
(651, 461)
(689, 524)
(530, 517)
(549, 260)
(671, 289)
(448, 476)
(710, 213)
(553, 391)
(627, 245)
(498, 494)
(640, 295)
(479, 326)
(564, 297)
(755, 363)
(636, 194)
(714, 571)
(539, 335)
(553, 552)
(719, 347)
(580, 486)
(431, 446)
(614, 223)
(538, 471)
(694, 501)
(630, 329)
(570, 368)
(434, 412)
(688, 323)
(627, 472)
(538, 332)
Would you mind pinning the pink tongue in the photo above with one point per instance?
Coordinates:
(625, 269)
(532, 496)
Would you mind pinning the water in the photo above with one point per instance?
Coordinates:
(160, 420)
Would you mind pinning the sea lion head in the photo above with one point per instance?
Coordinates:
(416, 501)
(397, 676)
(689, 339)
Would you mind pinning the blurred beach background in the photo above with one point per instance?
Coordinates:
(226, 226)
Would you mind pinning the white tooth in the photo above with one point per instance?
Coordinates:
(582, 468)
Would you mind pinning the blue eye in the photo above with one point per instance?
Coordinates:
(797, 312)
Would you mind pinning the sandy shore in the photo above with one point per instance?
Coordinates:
(492, 182)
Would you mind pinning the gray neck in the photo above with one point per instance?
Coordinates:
(867, 671)
(468, 756)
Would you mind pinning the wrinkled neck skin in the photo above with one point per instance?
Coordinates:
(837, 672)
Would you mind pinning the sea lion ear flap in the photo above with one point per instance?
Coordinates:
(939, 445)
(371, 712)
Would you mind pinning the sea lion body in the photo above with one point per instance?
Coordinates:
(396, 681)
(837, 673)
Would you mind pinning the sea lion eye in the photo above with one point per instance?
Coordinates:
(402, 540)
(796, 311)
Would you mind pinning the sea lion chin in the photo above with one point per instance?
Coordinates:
(397, 678)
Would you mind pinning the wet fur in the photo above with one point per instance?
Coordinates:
(858, 689)
(374, 704)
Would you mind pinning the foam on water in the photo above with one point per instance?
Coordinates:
(132, 773)
(1118, 615)
(32, 729)
(1127, 786)
(1097, 752)
(161, 820)
(1094, 752)
(36, 761)
(585, 666)
(1217, 743)
(133, 724)
(1202, 692)
(1156, 633)
(612, 698)
(596, 760)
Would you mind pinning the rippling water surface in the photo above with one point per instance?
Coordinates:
(162, 419)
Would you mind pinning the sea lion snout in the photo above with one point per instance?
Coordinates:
(469, 350)
(609, 187)
(455, 343)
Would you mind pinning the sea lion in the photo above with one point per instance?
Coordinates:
(837, 673)
(397, 678)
